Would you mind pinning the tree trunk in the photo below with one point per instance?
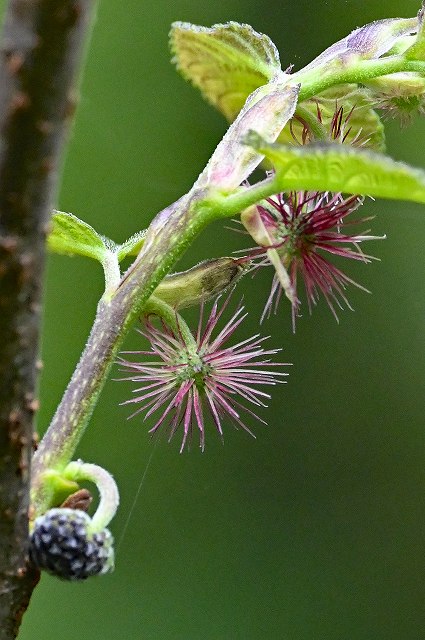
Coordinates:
(40, 53)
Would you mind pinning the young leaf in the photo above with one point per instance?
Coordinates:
(371, 41)
(226, 62)
(267, 110)
(335, 167)
(71, 236)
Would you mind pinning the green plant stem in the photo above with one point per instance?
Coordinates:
(222, 205)
(173, 319)
(311, 120)
(314, 81)
(170, 233)
(112, 273)
(108, 490)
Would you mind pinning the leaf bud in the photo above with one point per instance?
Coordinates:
(202, 282)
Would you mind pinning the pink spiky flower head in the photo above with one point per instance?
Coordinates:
(298, 231)
(186, 376)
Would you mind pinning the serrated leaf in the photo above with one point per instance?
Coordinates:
(131, 247)
(340, 168)
(362, 128)
(71, 236)
(226, 62)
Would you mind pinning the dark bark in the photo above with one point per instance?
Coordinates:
(40, 51)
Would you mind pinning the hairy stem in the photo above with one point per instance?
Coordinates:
(171, 318)
(223, 205)
(168, 236)
(112, 273)
(313, 123)
(314, 81)
(108, 491)
(170, 233)
(40, 53)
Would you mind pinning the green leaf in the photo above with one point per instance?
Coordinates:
(335, 167)
(362, 128)
(71, 236)
(226, 62)
(131, 247)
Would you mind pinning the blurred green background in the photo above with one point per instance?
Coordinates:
(315, 530)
